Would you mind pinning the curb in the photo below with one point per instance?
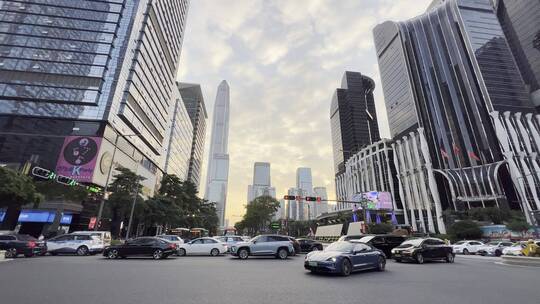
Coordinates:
(521, 261)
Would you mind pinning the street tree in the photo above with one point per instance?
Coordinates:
(123, 190)
(465, 229)
(518, 225)
(16, 190)
(381, 228)
(259, 213)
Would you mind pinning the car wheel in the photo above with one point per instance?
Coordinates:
(419, 258)
(214, 252)
(381, 264)
(11, 253)
(53, 253)
(282, 254)
(158, 254)
(314, 248)
(346, 267)
(113, 254)
(83, 250)
(181, 252)
(465, 251)
(498, 253)
(243, 254)
(449, 258)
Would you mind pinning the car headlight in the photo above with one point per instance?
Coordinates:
(332, 259)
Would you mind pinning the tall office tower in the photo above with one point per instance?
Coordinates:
(353, 117)
(322, 206)
(281, 212)
(179, 149)
(217, 175)
(455, 100)
(520, 20)
(194, 102)
(97, 76)
(292, 205)
(304, 187)
(261, 182)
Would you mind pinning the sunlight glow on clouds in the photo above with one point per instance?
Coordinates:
(283, 60)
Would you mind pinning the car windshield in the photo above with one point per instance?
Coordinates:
(460, 243)
(366, 239)
(340, 246)
(411, 243)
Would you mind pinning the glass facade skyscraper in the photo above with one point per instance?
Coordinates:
(104, 70)
(179, 149)
(520, 20)
(353, 117)
(194, 102)
(449, 72)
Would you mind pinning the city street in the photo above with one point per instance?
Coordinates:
(72, 279)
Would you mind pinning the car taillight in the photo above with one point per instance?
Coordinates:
(172, 246)
(31, 244)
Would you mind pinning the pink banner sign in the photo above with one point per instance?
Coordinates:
(78, 157)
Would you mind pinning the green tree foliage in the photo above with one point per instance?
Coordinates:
(123, 190)
(490, 214)
(381, 228)
(16, 189)
(518, 225)
(258, 215)
(465, 230)
(51, 190)
(176, 204)
(301, 228)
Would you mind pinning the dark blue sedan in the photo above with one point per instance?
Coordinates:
(344, 258)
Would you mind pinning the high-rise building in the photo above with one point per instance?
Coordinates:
(322, 206)
(218, 157)
(454, 97)
(304, 187)
(261, 182)
(520, 20)
(97, 76)
(179, 149)
(194, 102)
(353, 117)
(292, 205)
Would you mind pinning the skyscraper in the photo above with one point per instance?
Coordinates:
(97, 76)
(194, 102)
(450, 84)
(218, 158)
(353, 117)
(179, 149)
(304, 187)
(322, 206)
(261, 182)
(520, 20)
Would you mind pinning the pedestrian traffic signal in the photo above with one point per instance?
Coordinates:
(289, 197)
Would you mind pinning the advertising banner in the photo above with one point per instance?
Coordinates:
(78, 157)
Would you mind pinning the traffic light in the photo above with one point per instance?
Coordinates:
(66, 180)
(289, 197)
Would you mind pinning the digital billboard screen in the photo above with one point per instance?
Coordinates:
(376, 200)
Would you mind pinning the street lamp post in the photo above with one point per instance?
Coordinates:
(102, 203)
(132, 210)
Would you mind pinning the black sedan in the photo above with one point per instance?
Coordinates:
(423, 249)
(344, 258)
(308, 245)
(383, 242)
(296, 245)
(155, 247)
(15, 244)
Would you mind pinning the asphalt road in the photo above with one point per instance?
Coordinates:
(186, 280)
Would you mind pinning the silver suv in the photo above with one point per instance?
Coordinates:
(277, 245)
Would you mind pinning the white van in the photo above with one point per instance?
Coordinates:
(104, 236)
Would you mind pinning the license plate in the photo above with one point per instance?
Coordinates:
(397, 255)
(314, 264)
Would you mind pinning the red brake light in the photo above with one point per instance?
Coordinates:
(172, 246)
(31, 244)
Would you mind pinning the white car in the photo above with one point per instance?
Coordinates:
(514, 249)
(467, 247)
(103, 236)
(80, 244)
(202, 246)
(494, 248)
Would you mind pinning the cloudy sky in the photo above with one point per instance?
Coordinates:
(283, 60)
